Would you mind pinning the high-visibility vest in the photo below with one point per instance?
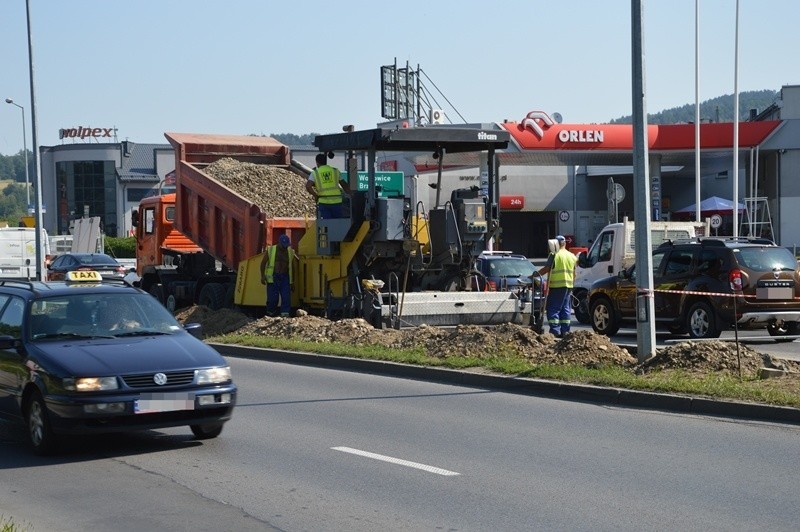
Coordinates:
(326, 181)
(562, 273)
(270, 269)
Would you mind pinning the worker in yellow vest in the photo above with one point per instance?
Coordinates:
(277, 265)
(326, 185)
(560, 281)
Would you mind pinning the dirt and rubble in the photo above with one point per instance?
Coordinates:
(258, 183)
(580, 347)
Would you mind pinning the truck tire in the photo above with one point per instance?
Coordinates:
(212, 296)
(158, 292)
(581, 307)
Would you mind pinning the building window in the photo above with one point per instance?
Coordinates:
(87, 188)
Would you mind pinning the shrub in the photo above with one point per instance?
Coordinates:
(121, 248)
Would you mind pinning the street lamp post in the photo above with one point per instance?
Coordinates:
(25, 149)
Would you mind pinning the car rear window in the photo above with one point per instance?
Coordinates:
(765, 258)
(97, 259)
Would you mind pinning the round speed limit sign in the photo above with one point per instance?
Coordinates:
(716, 221)
(563, 216)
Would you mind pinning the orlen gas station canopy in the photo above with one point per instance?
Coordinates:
(538, 141)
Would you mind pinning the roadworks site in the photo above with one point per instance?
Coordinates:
(718, 369)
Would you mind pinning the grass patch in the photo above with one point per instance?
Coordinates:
(506, 362)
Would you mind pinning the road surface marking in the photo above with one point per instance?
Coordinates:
(367, 454)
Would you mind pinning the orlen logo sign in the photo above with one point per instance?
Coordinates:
(539, 121)
(532, 120)
(83, 132)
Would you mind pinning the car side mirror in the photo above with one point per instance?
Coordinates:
(195, 329)
(7, 342)
(583, 262)
(135, 218)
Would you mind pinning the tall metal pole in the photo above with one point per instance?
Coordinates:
(736, 130)
(37, 173)
(645, 309)
(24, 149)
(697, 175)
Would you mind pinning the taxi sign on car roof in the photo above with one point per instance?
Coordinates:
(84, 276)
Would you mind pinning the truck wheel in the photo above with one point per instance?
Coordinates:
(212, 296)
(701, 322)
(158, 292)
(581, 307)
(604, 318)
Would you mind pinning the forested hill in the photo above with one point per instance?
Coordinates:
(719, 109)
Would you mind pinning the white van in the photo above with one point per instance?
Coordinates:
(613, 251)
(18, 252)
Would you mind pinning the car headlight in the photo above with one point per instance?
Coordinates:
(91, 384)
(214, 375)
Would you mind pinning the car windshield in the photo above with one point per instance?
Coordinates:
(507, 267)
(89, 315)
(766, 258)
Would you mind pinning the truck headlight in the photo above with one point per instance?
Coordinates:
(91, 384)
(214, 375)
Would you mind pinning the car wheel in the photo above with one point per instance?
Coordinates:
(790, 328)
(604, 317)
(701, 322)
(40, 435)
(206, 432)
(212, 296)
(581, 307)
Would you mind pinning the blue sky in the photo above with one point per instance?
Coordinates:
(258, 66)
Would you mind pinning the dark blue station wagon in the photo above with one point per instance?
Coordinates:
(88, 355)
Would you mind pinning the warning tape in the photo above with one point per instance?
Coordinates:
(649, 293)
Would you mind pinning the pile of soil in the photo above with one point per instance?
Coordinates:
(259, 183)
(582, 347)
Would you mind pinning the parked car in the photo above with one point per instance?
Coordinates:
(703, 286)
(107, 266)
(88, 355)
(507, 271)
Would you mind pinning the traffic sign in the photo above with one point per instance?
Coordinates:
(716, 221)
(391, 183)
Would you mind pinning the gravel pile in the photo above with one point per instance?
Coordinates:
(277, 191)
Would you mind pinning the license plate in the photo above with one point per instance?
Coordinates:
(149, 403)
(774, 292)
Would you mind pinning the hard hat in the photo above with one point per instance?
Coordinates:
(284, 240)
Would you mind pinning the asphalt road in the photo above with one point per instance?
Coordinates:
(320, 449)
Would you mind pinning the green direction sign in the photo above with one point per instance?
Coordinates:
(391, 183)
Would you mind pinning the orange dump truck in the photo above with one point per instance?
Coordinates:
(189, 242)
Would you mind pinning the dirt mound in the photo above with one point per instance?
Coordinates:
(714, 356)
(214, 322)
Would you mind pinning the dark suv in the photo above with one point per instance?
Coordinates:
(705, 285)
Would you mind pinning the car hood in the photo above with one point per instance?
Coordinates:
(119, 356)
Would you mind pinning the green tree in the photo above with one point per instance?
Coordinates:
(12, 204)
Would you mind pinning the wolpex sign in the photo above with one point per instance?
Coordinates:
(84, 132)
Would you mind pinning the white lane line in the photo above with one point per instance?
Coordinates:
(391, 460)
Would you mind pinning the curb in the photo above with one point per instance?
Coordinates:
(526, 386)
